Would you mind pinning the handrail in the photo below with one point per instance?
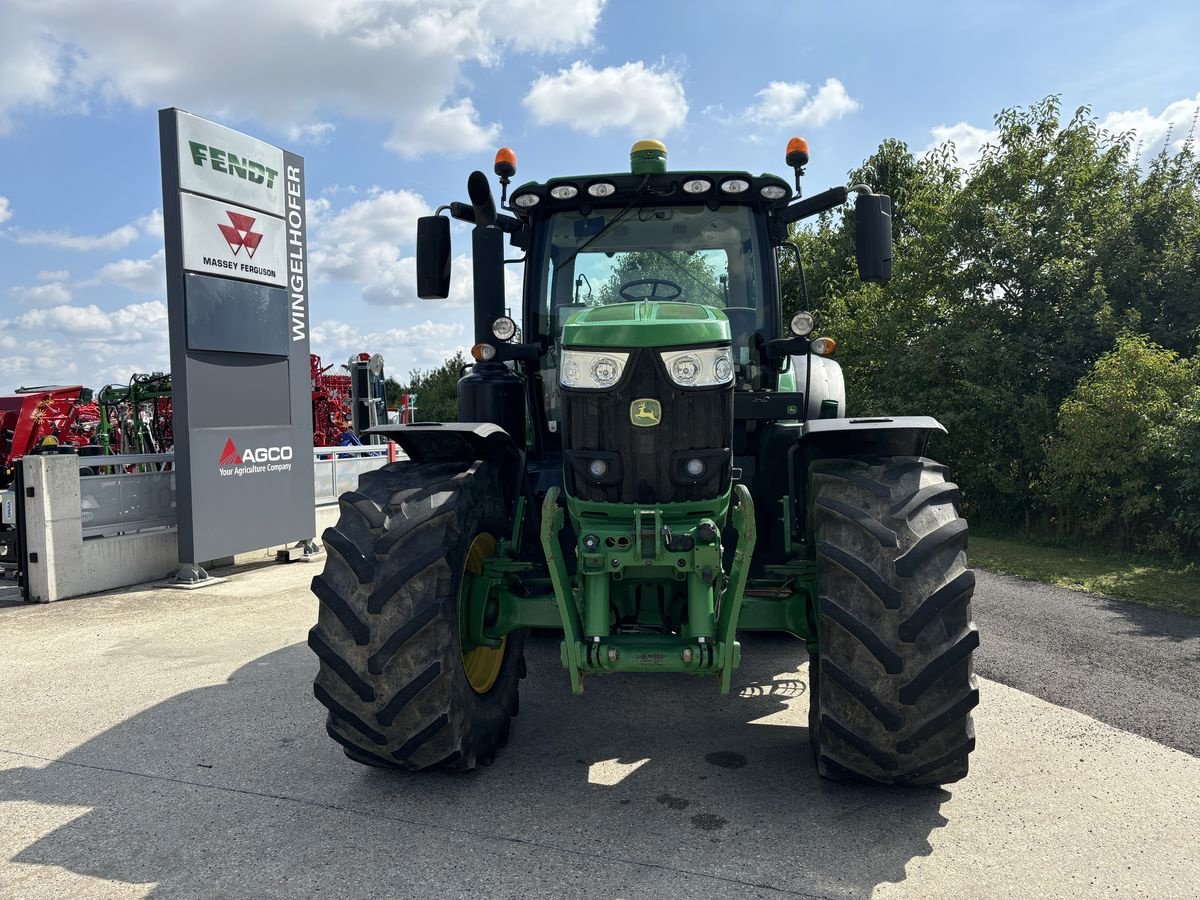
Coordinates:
(125, 459)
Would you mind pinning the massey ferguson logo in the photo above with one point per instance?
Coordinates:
(239, 235)
(253, 460)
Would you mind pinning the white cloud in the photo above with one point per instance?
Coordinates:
(634, 98)
(968, 141)
(55, 293)
(448, 128)
(787, 104)
(311, 132)
(105, 346)
(366, 242)
(400, 62)
(1152, 129)
(65, 240)
(151, 224)
(421, 346)
(370, 244)
(127, 325)
(31, 70)
(5, 209)
(147, 276)
(53, 275)
(547, 26)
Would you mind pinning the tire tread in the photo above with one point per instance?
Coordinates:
(893, 700)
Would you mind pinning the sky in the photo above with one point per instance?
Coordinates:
(392, 104)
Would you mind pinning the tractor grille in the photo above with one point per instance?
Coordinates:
(646, 463)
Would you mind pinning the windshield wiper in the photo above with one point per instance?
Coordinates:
(613, 221)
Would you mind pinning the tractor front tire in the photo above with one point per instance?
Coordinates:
(400, 691)
(891, 684)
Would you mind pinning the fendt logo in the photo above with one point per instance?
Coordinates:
(254, 460)
(228, 163)
(239, 235)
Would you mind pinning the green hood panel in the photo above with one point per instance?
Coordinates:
(646, 324)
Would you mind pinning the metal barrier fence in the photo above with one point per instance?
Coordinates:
(136, 492)
(127, 493)
(336, 469)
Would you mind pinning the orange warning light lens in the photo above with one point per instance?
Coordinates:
(483, 352)
(824, 346)
(506, 162)
(797, 152)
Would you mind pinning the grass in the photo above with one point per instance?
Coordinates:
(1126, 576)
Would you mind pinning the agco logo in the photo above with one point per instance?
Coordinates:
(239, 235)
(253, 460)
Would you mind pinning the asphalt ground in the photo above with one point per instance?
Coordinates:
(165, 743)
(1131, 666)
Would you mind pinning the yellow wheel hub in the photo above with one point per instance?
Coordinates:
(482, 664)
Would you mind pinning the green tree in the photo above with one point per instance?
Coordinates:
(1003, 293)
(692, 271)
(392, 389)
(1152, 254)
(436, 390)
(1183, 450)
(1112, 462)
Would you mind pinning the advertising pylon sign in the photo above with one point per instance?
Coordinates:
(237, 304)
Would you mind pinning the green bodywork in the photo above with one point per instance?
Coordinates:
(646, 324)
(690, 606)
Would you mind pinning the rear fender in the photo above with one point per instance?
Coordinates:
(840, 438)
(885, 436)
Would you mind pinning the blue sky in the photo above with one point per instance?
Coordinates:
(392, 105)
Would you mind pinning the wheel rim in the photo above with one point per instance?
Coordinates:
(481, 664)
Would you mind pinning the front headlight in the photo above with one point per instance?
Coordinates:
(589, 370)
(699, 368)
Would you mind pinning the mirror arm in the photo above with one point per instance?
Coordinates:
(781, 348)
(811, 206)
(465, 212)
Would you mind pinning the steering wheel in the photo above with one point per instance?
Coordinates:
(655, 283)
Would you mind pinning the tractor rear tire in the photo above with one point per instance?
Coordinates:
(891, 684)
(393, 674)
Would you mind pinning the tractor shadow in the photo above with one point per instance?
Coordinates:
(642, 787)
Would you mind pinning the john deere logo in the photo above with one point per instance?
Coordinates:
(645, 413)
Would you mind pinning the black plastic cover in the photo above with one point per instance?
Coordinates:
(433, 257)
(873, 236)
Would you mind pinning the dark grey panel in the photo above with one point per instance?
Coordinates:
(254, 503)
(235, 390)
(236, 316)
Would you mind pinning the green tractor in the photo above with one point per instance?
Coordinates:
(651, 465)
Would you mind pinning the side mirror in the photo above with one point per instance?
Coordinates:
(433, 257)
(873, 236)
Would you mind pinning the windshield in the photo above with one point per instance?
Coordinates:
(689, 254)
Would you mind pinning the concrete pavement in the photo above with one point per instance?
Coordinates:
(166, 743)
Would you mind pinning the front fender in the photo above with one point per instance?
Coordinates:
(449, 441)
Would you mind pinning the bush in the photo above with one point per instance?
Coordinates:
(1119, 458)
